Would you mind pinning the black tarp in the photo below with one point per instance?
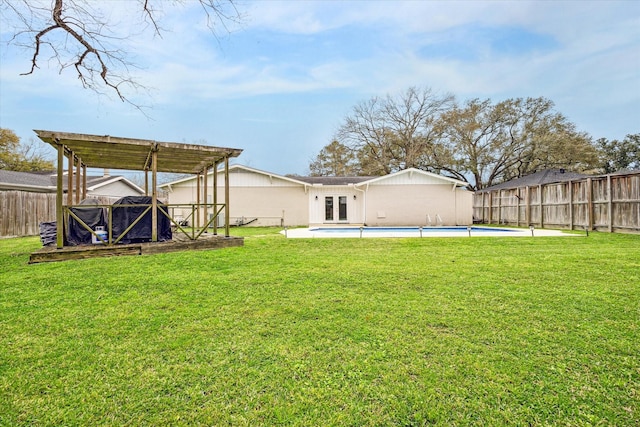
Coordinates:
(91, 216)
(124, 216)
(48, 233)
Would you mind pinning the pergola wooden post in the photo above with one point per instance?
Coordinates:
(59, 197)
(84, 181)
(206, 199)
(215, 197)
(226, 196)
(154, 193)
(198, 190)
(69, 178)
(77, 189)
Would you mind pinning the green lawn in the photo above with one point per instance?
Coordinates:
(459, 331)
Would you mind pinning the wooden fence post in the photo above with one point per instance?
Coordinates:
(541, 206)
(589, 203)
(570, 185)
(499, 206)
(610, 203)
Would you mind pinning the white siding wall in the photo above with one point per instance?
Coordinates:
(114, 189)
(389, 205)
(272, 200)
(317, 209)
(403, 199)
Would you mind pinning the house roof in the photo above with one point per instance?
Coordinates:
(32, 181)
(46, 181)
(135, 154)
(333, 180)
(546, 176)
(412, 171)
(236, 167)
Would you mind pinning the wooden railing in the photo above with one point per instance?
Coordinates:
(199, 225)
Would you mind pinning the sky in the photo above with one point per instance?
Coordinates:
(281, 82)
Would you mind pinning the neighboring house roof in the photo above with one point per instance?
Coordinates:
(45, 182)
(94, 183)
(622, 172)
(27, 181)
(542, 177)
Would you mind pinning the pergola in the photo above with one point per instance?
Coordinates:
(93, 151)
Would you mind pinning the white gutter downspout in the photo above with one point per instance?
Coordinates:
(364, 202)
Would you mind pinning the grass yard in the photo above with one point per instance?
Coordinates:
(361, 332)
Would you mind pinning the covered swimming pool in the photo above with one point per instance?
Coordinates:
(417, 231)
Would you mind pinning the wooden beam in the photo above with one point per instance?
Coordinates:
(490, 212)
(215, 197)
(541, 206)
(154, 196)
(528, 206)
(206, 199)
(78, 165)
(226, 196)
(570, 185)
(84, 181)
(69, 178)
(589, 203)
(198, 183)
(60, 199)
(610, 203)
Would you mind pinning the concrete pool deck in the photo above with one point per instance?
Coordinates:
(413, 232)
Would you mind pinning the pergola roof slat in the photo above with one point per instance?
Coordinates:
(133, 154)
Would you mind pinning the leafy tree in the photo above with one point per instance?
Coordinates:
(617, 155)
(83, 35)
(335, 159)
(486, 143)
(20, 157)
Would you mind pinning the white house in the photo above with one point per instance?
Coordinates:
(409, 197)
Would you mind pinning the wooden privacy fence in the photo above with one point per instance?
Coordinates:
(604, 203)
(21, 212)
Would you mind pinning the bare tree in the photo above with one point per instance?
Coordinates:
(78, 34)
(395, 133)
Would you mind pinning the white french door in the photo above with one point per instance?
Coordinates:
(335, 209)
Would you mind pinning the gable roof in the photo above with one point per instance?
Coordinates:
(547, 176)
(333, 180)
(237, 168)
(412, 171)
(96, 182)
(110, 152)
(45, 182)
(30, 181)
